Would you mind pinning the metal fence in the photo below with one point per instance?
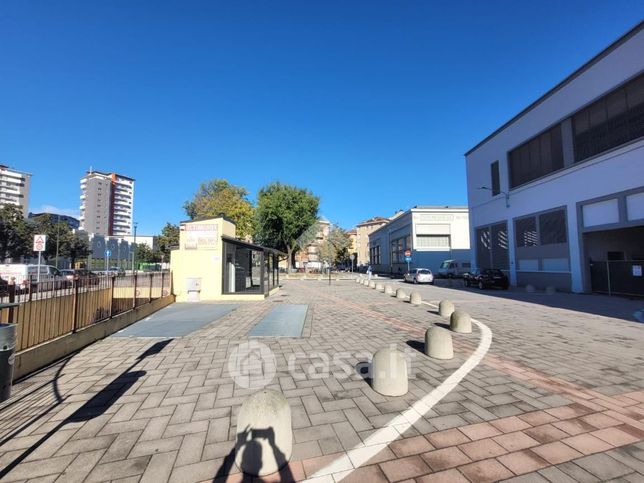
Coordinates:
(52, 308)
(618, 277)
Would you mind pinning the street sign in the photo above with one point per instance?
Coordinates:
(408, 253)
(108, 253)
(352, 257)
(40, 242)
(407, 259)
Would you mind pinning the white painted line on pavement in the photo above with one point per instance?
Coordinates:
(382, 437)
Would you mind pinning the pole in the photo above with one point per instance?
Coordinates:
(57, 238)
(38, 274)
(608, 276)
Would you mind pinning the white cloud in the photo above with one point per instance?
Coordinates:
(58, 211)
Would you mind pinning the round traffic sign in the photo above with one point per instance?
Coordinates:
(408, 253)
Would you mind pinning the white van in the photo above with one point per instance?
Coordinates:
(453, 268)
(22, 274)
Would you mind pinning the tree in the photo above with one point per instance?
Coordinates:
(335, 248)
(284, 213)
(74, 246)
(220, 198)
(168, 240)
(15, 233)
(57, 233)
(144, 254)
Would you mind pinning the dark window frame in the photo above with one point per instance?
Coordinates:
(495, 178)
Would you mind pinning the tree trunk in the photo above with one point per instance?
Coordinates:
(289, 252)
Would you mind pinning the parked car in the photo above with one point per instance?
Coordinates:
(118, 271)
(81, 276)
(486, 278)
(25, 276)
(454, 268)
(419, 275)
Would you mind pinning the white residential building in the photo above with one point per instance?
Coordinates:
(557, 192)
(107, 201)
(14, 188)
(432, 234)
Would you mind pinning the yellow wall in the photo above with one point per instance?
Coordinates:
(201, 263)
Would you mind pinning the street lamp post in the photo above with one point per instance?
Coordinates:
(505, 193)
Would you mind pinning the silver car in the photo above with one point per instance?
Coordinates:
(419, 275)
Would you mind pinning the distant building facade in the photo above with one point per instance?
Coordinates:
(309, 256)
(14, 188)
(432, 234)
(73, 223)
(557, 193)
(107, 203)
(363, 230)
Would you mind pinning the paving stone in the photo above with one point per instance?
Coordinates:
(587, 444)
(515, 441)
(481, 449)
(485, 471)
(448, 476)
(445, 458)
(524, 461)
(603, 466)
(403, 468)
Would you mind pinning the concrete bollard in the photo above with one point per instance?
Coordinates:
(389, 290)
(389, 372)
(380, 287)
(551, 290)
(438, 343)
(460, 322)
(401, 294)
(264, 433)
(530, 288)
(372, 284)
(445, 308)
(415, 298)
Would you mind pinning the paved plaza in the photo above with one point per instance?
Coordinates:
(545, 388)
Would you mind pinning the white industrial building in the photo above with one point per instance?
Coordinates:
(433, 234)
(14, 188)
(557, 193)
(107, 203)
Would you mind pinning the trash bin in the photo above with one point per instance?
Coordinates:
(7, 356)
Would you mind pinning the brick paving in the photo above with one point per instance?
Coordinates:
(558, 397)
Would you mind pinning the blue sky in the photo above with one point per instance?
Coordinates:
(369, 104)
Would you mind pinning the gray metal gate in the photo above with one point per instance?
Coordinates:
(612, 277)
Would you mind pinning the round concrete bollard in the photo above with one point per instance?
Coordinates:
(264, 433)
(401, 294)
(529, 288)
(389, 290)
(550, 290)
(415, 298)
(389, 372)
(380, 287)
(372, 284)
(460, 322)
(445, 308)
(438, 343)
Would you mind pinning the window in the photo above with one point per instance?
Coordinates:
(496, 183)
(432, 241)
(536, 158)
(492, 246)
(615, 119)
(552, 227)
(526, 232)
(374, 255)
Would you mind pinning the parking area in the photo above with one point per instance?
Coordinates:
(546, 389)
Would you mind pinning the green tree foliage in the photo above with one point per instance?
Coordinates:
(15, 234)
(284, 213)
(168, 240)
(58, 234)
(144, 254)
(219, 197)
(75, 247)
(336, 246)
